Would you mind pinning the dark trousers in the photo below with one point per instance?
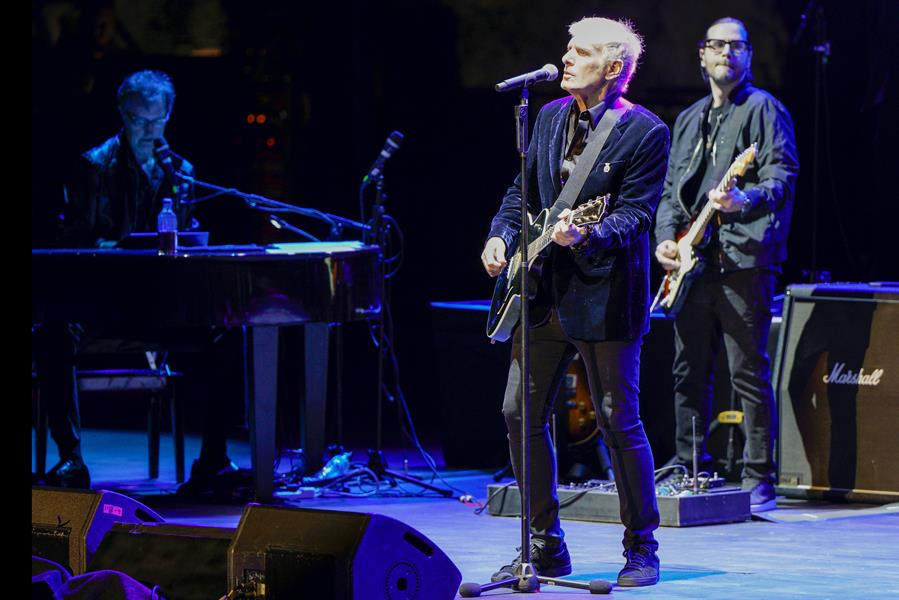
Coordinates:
(55, 346)
(735, 307)
(613, 372)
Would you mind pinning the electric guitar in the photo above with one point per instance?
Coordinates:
(676, 284)
(505, 308)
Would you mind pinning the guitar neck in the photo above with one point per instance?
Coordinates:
(697, 230)
(587, 214)
(733, 170)
(537, 245)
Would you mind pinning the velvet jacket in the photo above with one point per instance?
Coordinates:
(601, 290)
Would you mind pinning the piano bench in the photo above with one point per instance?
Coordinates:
(158, 383)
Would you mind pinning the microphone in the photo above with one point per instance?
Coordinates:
(279, 223)
(163, 155)
(390, 146)
(548, 72)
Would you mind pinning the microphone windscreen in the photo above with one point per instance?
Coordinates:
(552, 71)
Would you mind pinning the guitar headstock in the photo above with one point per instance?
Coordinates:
(590, 212)
(743, 160)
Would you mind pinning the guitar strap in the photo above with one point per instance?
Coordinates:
(586, 160)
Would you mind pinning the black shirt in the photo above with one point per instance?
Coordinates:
(581, 126)
(705, 178)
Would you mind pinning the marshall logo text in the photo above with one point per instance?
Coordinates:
(841, 376)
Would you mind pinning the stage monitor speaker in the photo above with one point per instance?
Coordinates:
(305, 553)
(68, 525)
(185, 561)
(837, 385)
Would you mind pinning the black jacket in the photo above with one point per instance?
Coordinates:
(108, 196)
(601, 291)
(757, 235)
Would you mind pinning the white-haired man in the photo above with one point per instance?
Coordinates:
(593, 292)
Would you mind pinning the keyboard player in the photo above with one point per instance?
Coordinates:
(115, 190)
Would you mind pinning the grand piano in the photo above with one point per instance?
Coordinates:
(260, 288)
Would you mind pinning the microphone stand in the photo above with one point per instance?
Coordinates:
(821, 48)
(255, 201)
(526, 578)
(376, 234)
(822, 54)
(280, 223)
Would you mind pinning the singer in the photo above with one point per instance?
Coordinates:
(592, 296)
(116, 189)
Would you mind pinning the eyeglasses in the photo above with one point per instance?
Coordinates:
(143, 123)
(736, 46)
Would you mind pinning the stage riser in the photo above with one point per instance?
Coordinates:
(725, 505)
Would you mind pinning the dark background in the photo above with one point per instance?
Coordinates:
(335, 78)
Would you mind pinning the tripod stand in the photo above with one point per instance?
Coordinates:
(525, 578)
(377, 234)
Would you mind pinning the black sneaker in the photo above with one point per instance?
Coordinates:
(547, 560)
(761, 495)
(642, 567)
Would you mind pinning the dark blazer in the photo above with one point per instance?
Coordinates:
(601, 291)
(757, 235)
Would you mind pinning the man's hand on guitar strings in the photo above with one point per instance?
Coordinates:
(733, 199)
(565, 233)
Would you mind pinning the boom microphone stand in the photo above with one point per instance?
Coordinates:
(526, 579)
(376, 234)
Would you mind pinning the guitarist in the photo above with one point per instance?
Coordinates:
(593, 292)
(745, 245)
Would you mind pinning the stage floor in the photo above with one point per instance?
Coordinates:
(801, 550)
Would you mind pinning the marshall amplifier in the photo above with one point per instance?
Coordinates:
(837, 385)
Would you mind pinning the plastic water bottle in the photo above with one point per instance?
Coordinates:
(337, 466)
(167, 229)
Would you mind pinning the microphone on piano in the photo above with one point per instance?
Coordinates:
(390, 146)
(279, 223)
(164, 155)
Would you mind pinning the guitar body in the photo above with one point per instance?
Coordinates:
(505, 307)
(582, 427)
(676, 284)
